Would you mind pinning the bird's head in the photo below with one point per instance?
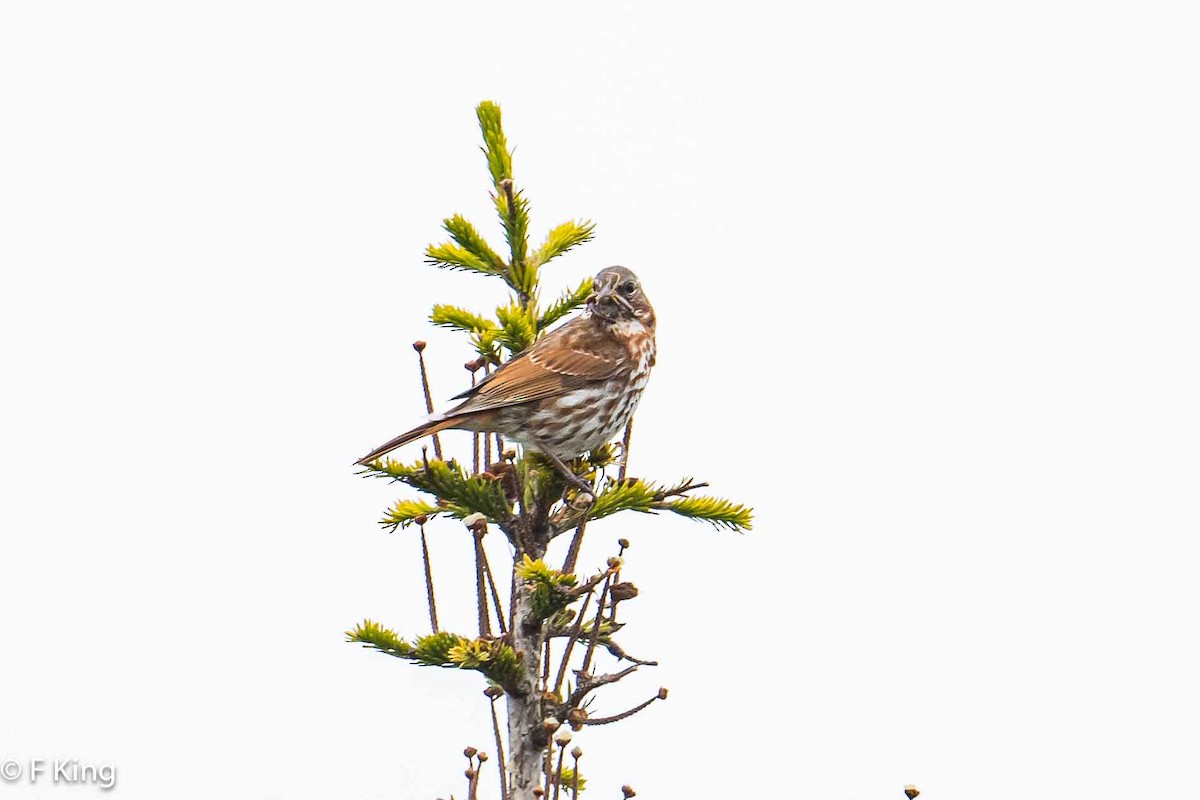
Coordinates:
(617, 296)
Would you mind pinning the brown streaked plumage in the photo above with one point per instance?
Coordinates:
(573, 390)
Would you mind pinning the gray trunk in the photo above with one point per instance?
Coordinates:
(526, 737)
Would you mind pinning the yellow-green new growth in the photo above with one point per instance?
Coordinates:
(568, 779)
(564, 305)
(562, 239)
(468, 250)
(551, 588)
(460, 494)
(494, 659)
(518, 327)
(447, 316)
(649, 498)
(404, 512)
(720, 512)
(495, 145)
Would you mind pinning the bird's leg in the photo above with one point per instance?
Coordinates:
(571, 477)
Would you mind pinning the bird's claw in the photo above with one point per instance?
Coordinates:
(583, 501)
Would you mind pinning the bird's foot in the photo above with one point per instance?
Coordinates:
(587, 492)
(586, 496)
(582, 501)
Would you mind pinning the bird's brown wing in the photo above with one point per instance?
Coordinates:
(557, 364)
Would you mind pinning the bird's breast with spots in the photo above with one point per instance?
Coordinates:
(585, 418)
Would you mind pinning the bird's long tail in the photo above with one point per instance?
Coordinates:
(428, 429)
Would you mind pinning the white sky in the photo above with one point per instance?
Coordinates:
(926, 282)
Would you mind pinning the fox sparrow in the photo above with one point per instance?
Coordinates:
(573, 390)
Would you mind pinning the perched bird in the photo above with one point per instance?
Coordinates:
(570, 392)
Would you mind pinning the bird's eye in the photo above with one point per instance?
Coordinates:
(628, 287)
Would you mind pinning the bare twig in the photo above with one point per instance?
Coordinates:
(428, 578)
(492, 693)
(678, 491)
(471, 772)
(485, 625)
(662, 695)
(491, 582)
(589, 683)
(487, 441)
(571, 639)
(587, 659)
(625, 450)
(420, 348)
(587, 586)
(624, 545)
(562, 754)
(473, 367)
(619, 653)
(576, 543)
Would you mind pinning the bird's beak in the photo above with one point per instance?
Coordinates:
(599, 294)
(607, 294)
(600, 290)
